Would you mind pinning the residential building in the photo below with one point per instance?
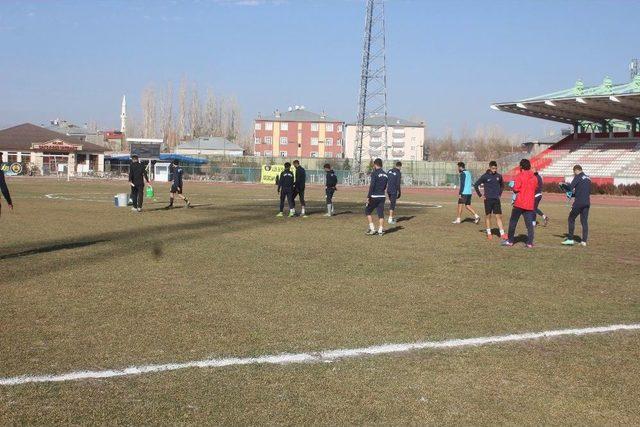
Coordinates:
(405, 139)
(298, 133)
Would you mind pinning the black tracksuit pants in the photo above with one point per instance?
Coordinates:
(528, 220)
(583, 212)
(288, 194)
(137, 195)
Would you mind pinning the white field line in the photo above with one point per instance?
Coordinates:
(319, 357)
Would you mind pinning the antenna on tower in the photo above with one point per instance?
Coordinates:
(373, 80)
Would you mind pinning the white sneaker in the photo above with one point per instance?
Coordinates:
(134, 209)
(583, 243)
(457, 221)
(476, 220)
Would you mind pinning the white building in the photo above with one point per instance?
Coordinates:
(405, 139)
(210, 146)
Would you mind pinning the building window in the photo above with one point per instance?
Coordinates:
(339, 128)
(328, 141)
(283, 140)
(283, 154)
(257, 154)
(268, 153)
(268, 140)
(258, 126)
(329, 127)
(328, 155)
(256, 140)
(314, 127)
(268, 126)
(314, 141)
(339, 142)
(314, 154)
(284, 126)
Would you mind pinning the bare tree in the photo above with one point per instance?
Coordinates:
(182, 105)
(195, 113)
(210, 125)
(149, 112)
(166, 117)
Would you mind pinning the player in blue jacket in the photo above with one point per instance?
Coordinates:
(177, 187)
(493, 185)
(464, 195)
(286, 184)
(330, 183)
(375, 198)
(393, 189)
(581, 192)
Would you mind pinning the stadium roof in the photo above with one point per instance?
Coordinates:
(298, 114)
(23, 136)
(596, 104)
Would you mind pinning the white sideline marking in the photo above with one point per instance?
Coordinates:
(319, 357)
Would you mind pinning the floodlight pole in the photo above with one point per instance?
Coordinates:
(373, 78)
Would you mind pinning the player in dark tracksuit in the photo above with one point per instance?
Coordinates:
(493, 187)
(298, 186)
(393, 189)
(581, 192)
(177, 187)
(376, 197)
(286, 188)
(330, 182)
(137, 177)
(4, 188)
(538, 211)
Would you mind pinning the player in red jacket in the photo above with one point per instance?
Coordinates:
(525, 190)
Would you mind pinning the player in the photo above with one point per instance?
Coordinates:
(545, 218)
(177, 186)
(376, 197)
(4, 188)
(525, 188)
(580, 190)
(298, 186)
(393, 189)
(465, 194)
(286, 189)
(137, 177)
(330, 182)
(493, 187)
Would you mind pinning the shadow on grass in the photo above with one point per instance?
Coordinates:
(394, 229)
(494, 231)
(52, 248)
(577, 239)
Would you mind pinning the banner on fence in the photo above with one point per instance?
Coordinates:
(11, 169)
(269, 173)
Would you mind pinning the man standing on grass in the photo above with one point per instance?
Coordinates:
(177, 186)
(537, 201)
(4, 188)
(525, 189)
(493, 186)
(286, 188)
(137, 177)
(581, 191)
(393, 189)
(298, 187)
(464, 194)
(375, 198)
(330, 183)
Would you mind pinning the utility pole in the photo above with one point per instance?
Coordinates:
(373, 83)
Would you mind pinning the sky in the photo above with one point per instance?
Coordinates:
(447, 61)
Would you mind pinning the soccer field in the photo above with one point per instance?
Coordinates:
(91, 287)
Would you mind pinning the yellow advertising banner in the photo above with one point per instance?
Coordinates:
(270, 173)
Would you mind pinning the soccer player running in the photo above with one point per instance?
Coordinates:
(393, 189)
(465, 194)
(525, 189)
(493, 187)
(330, 183)
(177, 186)
(537, 201)
(286, 189)
(4, 188)
(376, 197)
(581, 191)
(137, 177)
(298, 186)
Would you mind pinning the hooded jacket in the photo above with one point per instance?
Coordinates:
(525, 187)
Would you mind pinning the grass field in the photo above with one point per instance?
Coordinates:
(88, 286)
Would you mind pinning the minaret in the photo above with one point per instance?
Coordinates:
(123, 116)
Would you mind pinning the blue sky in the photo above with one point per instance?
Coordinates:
(447, 60)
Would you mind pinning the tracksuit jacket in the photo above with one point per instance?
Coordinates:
(493, 185)
(525, 187)
(581, 187)
(378, 185)
(395, 178)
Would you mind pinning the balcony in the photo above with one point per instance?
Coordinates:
(398, 143)
(377, 143)
(397, 153)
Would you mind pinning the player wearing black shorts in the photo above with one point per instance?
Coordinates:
(493, 185)
(376, 198)
(299, 185)
(393, 190)
(331, 180)
(285, 188)
(177, 187)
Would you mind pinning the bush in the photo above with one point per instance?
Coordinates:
(608, 189)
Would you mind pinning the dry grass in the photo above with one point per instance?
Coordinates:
(89, 286)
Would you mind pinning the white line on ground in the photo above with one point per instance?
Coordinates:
(319, 357)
